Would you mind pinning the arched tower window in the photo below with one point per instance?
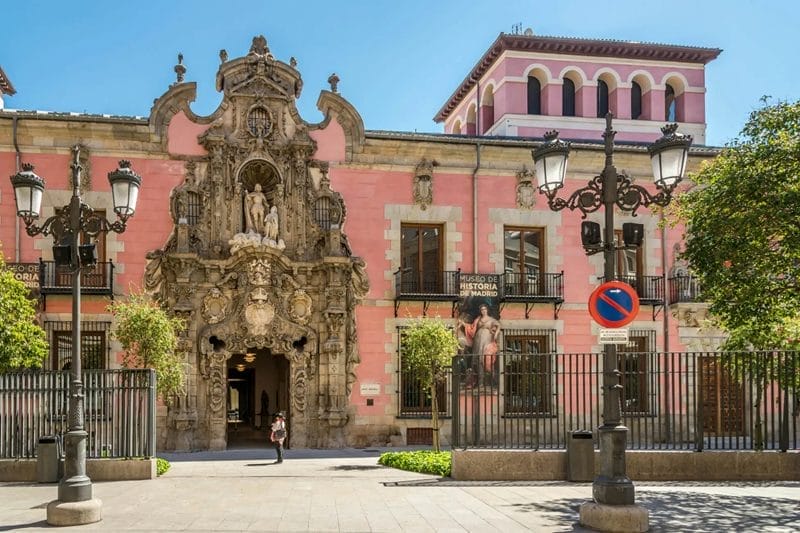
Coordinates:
(636, 100)
(670, 104)
(602, 98)
(487, 109)
(534, 96)
(457, 127)
(568, 98)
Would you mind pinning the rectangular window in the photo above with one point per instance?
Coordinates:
(637, 363)
(528, 372)
(421, 254)
(94, 345)
(524, 251)
(414, 399)
(629, 262)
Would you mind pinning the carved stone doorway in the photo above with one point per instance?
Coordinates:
(258, 387)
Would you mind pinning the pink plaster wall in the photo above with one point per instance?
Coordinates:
(330, 142)
(182, 136)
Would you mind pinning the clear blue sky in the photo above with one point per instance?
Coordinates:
(398, 61)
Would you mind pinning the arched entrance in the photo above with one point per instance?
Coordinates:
(258, 387)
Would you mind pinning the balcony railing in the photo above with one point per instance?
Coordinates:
(684, 289)
(435, 285)
(542, 287)
(58, 280)
(650, 289)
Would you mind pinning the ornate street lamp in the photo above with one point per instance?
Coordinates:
(668, 155)
(75, 504)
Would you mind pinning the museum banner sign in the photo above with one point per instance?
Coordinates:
(27, 273)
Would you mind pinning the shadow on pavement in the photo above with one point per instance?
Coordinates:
(693, 511)
(17, 527)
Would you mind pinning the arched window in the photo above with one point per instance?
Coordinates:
(602, 98)
(534, 96)
(636, 100)
(568, 98)
(670, 104)
(457, 127)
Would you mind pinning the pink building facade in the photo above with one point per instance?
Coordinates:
(375, 230)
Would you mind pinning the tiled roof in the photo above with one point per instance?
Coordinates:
(574, 46)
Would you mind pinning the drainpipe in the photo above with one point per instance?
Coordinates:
(474, 207)
(475, 179)
(17, 160)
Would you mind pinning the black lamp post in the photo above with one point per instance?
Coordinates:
(668, 155)
(67, 227)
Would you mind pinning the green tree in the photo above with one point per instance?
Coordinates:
(23, 343)
(149, 337)
(428, 348)
(743, 243)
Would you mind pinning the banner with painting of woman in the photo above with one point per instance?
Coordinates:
(478, 326)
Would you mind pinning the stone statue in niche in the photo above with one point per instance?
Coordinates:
(256, 204)
(271, 225)
(262, 229)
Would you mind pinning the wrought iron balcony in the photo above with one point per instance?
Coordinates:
(542, 287)
(58, 280)
(650, 289)
(684, 289)
(434, 285)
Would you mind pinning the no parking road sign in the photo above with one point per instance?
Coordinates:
(614, 304)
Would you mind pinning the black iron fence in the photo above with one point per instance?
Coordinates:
(119, 412)
(673, 401)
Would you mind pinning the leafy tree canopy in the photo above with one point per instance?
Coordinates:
(150, 339)
(23, 343)
(428, 348)
(743, 239)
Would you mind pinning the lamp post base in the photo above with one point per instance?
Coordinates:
(74, 513)
(621, 518)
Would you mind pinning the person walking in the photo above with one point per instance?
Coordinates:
(278, 435)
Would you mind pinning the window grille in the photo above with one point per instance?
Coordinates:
(528, 373)
(638, 366)
(258, 122)
(94, 344)
(193, 209)
(414, 399)
(322, 212)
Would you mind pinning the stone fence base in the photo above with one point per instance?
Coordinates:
(552, 465)
(96, 469)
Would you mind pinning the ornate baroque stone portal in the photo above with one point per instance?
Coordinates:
(257, 258)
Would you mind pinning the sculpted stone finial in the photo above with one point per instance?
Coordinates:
(180, 69)
(333, 79)
(292, 62)
(259, 47)
(223, 55)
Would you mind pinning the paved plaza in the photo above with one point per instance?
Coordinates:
(346, 490)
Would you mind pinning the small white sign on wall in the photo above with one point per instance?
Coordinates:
(613, 335)
(370, 389)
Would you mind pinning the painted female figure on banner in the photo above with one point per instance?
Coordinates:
(482, 334)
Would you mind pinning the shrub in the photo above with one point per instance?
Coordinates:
(422, 461)
(162, 465)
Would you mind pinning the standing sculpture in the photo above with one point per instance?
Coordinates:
(255, 204)
(271, 225)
